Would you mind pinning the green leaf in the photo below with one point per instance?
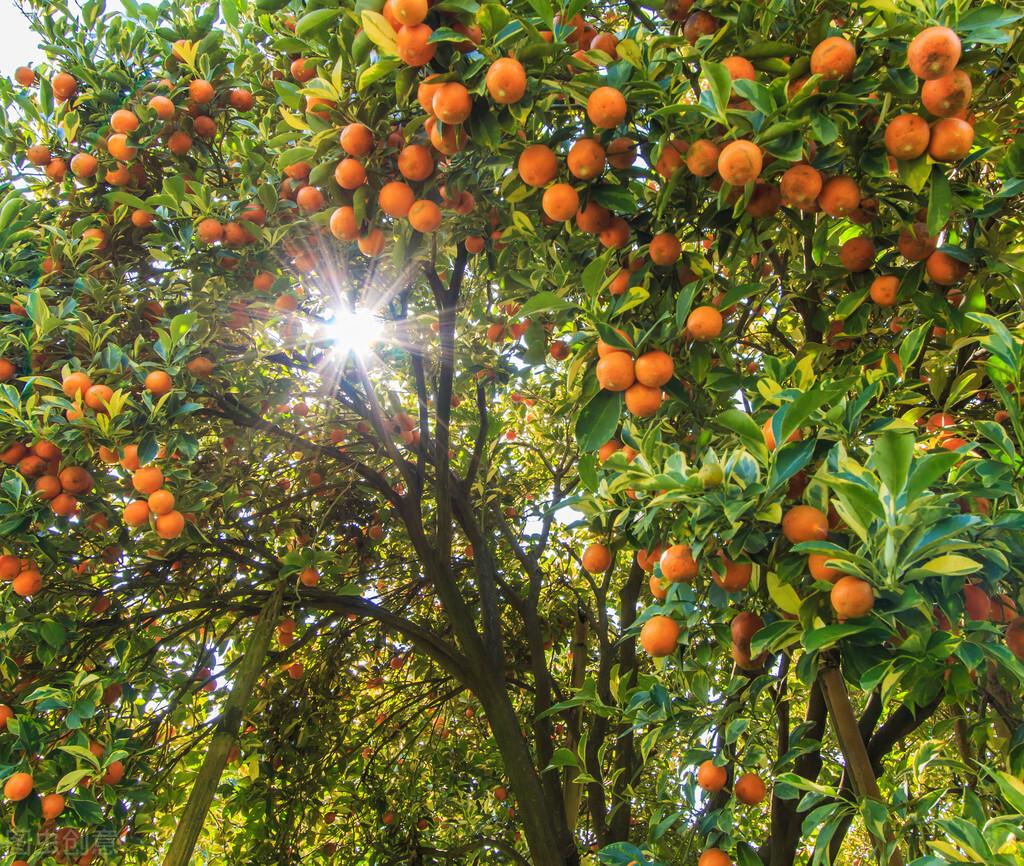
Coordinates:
(744, 426)
(379, 32)
(229, 9)
(820, 638)
(544, 301)
(721, 84)
(598, 420)
(891, 457)
(315, 20)
(940, 201)
(951, 563)
(914, 172)
(69, 780)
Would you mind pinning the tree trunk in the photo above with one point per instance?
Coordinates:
(225, 736)
(855, 753)
(549, 839)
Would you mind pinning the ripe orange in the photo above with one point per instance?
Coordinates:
(302, 70)
(425, 216)
(52, 805)
(64, 86)
(24, 76)
(161, 502)
(804, 523)
(852, 598)
(816, 565)
(749, 789)
(179, 143)
(948, 95)
(642, 400)
(452, 103)
(506, 80)
(764, 201)
(711, 777)
(343, 223)
(83, 165)
(593, 218)
(800, 186)
(415, 162)
(560, 202)
(833, 58)
(884, 290)
(209, 230)
(350, 173)
(945, 270)
(597, 558)
(907, 136)
(124, 121)
(241, 99)
(38, 154)
(840, 196)
(586, 159)
(740, 162)
(714, 857)
(606, 107)
(659, 636)
(28, 582)
(162, 107)
(396, 199)
(951, 140)
(75, 479)
(170, 525)
(678, 564)
(413, 46)
(699, 23)
(665, 249)
(356, 139)
(200, 91)
(622, 153)
(615, 371)
(915, 244)
(704, 323)
(372, 243)
(409, 11)
(615, 235)
(933, 53)
(735, 575)
(654, 369)
(702, 157)
(18, 786)
(309, 199)
(537, 165)
(136, 513)
(857, 254)
(147, 479)
(76, 383)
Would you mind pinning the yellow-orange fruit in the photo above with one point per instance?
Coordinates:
(852, 598)
(907, 136)
(833, 58)
(659, 636)
(804, 523)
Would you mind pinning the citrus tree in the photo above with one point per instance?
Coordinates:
(534, 433)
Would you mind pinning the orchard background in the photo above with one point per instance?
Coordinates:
(523, 433)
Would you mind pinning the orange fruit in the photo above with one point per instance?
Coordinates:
(907, 136)
(343, 223)
(396, 199)
(372, 243)
(350, 173)
(452, 103)
(64, 86)
(659, 636)
(678, 564)
(665, 249)
(948, 95)
(852, 598)
(161, 502)
(75, 384)
(816, 565)
(857, 254)
(734, 576)
(136, 513)
(597, 558)
(409, 11)
(425, 216)
(702, 157)
(643, 401)
(704, 323)
(170, 525)
(200, 91)
(606, 107)
(933, 53)
(83, 165)
(615, 371)
(586, 159)
(24, 76)
(654, 369)
(147, 479)
(884, 290)
(413, 46)
(415, 162)
(506, 80)
(804, 523)
(711, 777)
(833, 58)
(356, 139)
(52, 805)
(18, 786)
(593, 218)
(162, 107)
(840, 196)
(800, 185)
(179, 143)
(740, 162)
(749, 789)
(622, 153)
(945, 270)
(537, 165)
(560, 202)
(616, 234)
(951, 140)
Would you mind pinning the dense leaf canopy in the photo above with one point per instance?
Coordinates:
(465, 432)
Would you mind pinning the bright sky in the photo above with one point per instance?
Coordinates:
(17, 42)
